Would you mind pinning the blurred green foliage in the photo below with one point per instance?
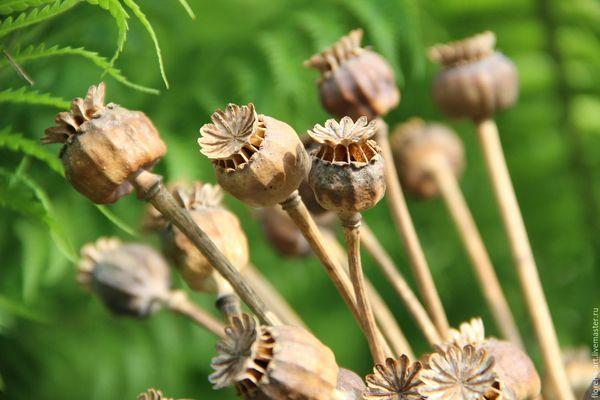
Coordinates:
(58, 342)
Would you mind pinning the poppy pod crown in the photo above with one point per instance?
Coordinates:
(104, 145)
(258, 159)
(347, 172)
(354, 81)
(476, 81)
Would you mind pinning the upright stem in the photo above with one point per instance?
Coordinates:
(180, 303)
(352, 234)
(296, 209)
(523, 257)
(383, 315)
(149, 187)
(480, 259)
(406, 228)
(412, 303)
(280, 306)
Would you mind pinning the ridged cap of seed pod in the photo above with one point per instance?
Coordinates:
(104, 145)
(203, 201)
(416, 145)
(258, 159)
(131, 279)
(347, 172)
(282, 233)
(397, 379)
(153, 394)
(281, 362)
(354, 81)
(476, 81)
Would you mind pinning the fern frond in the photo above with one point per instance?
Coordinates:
(35, 16)
(16, 142)
(144, 21)
(31, 53)
(118, 222)
(284, 64)
(187, 8)
(116, 10)
(323, 29)
(12, 6)
(26, 96)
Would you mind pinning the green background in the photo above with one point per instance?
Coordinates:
(58, 342)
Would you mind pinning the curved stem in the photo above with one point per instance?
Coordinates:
(523, 257)
(480, 259)
(352, 234)
(406, 228)
(389, 269)
(180, 303)
(149, 187)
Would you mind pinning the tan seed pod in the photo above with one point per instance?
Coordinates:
(131, 279)
(350, 386)
(475, 81)
(258, 159)
(282, 362)
(354, 81)
(397, 379)
(347, 173)
(203, 201)
(282, 233)
(416, 145)
(104, 145)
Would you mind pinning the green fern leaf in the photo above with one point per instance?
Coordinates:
(16, 142)
(144, 21)
(12, 6)
(35, 16)
(31, 53)
(187, 8)
(120, 16)
(25, 96)
(118, 222)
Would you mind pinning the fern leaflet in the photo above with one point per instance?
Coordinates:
(118, 222)
(16, 142)
(12, 6)
(35, 16)
(187, 8)
(25, 96)
(120, 16)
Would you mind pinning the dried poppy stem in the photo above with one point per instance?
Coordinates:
(480, 259)
(352, 235)
(180, 303)
(406, 228)
(412, 303)
(384, 316)
(150, 188)
(280, 306)
(523, 256)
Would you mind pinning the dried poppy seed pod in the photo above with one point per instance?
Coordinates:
(153, 394)
(203, 201)
(397, 379)
(281, 362)
(258, 159)
(350, 386)
(130, 279)
(347, 172)
(476, 81)
(282, 233)
(354, 81)
(416, 145)
(104, 145)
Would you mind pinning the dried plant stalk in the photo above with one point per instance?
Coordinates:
(523, 257)
(406, 228)
(180, 303)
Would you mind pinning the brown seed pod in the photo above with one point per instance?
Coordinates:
(416, 145)
(130, 279)
(347, 172)
(397, 379)
(350, 386)
(104, 145)
(476, 81)
(258, 159)
(203, 201)
(282, 233)
(354, 81)
(282, 362)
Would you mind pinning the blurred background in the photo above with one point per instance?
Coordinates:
(56, 341)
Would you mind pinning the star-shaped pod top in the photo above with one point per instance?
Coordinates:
(397, 379)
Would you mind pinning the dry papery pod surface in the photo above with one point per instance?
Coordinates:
(397, 379)
(258, 159)
(277, 362)
(130, 279)
(516, 376)
(104, 145)
(347, 173)
(204, 203)
(416, 145)
(354, 81)
(476, 81)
